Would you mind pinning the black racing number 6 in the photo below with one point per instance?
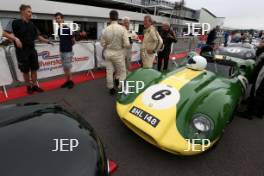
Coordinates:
(161, 94)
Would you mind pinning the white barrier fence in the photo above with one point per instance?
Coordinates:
(85, 56)
(135, 52)
(100, 55)
(50, 61)
(5, 73)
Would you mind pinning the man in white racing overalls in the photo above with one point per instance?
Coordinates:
(151, 44)
(115, 41)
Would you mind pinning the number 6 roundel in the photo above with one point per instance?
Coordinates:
(161, 96)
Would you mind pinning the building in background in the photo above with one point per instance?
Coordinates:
(206, 16)
(92, 15)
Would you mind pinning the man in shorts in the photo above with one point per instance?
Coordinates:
(24, 33)
(66, 42)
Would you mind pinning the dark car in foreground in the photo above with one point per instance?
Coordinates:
(47, 140)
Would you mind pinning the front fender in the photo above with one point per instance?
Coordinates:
(218, 104)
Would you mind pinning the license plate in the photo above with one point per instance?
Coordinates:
(143, 115)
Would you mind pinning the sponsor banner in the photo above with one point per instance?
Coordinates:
(99, 55)
(5, 73)
(101, 59)
(50, 61)
(135, 52)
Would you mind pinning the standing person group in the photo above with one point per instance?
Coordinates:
(23, 33)
(118, 40)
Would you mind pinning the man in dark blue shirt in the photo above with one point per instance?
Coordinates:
(66, 42)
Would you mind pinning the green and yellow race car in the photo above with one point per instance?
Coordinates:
(186, 110)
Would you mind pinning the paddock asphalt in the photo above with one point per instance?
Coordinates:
(239, 153)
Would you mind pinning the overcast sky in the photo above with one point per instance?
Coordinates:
(238, 13)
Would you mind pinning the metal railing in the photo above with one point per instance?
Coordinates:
(146, 3)
(187, 44)
(160, 2)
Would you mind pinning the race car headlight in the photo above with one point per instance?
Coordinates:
(249, 55)
(201, 127)
(202, 123)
